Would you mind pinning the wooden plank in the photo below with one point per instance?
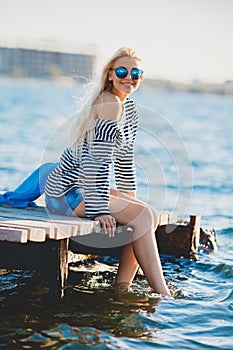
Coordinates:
(165, 217)
(39, 231)
(34, 234)
(13, 234)
(42, 229)
(41, 225)
(58, 226)
(84, 226)
(40, 215)
(172, 217)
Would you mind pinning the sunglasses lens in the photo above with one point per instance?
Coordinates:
(136, 74)
(121, 72)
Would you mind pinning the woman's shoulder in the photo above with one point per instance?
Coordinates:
(129, 102)
(131, 108)
(108, 106)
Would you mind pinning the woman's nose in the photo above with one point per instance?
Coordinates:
(128, 74)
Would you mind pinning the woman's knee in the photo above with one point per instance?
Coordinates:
(155, 217)
(134, 213)
(147, 216)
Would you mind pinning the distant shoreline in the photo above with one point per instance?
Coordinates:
(225, 88)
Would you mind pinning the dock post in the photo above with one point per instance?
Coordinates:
(180, 239)
(58, 269)
(195, 223)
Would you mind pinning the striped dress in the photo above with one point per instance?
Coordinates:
(113, 145)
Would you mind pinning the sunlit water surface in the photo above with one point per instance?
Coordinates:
(184, 163)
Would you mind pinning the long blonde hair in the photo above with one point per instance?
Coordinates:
(84, 126)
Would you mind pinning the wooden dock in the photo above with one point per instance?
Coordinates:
(35, 239)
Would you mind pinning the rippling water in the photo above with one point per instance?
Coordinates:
(184, 161)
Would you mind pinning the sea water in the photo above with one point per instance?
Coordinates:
(183, 154)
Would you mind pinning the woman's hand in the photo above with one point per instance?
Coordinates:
(107, 223)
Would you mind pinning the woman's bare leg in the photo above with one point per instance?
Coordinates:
(128, 264)
(143, 249)
(127, 269)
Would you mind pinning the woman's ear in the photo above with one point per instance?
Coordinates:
(141, 78)
(110, 78)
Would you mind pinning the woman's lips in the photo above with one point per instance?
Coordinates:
(127, 84)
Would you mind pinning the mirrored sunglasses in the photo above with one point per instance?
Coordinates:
(122, 72)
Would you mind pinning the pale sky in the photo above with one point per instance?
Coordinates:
(177, 39)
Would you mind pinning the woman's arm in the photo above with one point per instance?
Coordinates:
(98, 160)
(96, 163)
(131, 194)
(125, 170)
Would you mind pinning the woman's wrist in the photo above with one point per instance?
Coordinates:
(93, 217)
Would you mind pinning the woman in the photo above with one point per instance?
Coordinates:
(80, 184)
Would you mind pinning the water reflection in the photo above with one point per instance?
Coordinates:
(95, 315)
(30, 320)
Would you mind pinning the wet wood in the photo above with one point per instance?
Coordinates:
(46, 239)
(37, 225)
(58, 271)
(40, 225)
(13, 234)
(49, 260)
(180, 239)
(51, 232)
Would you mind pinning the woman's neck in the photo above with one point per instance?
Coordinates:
(122, 96)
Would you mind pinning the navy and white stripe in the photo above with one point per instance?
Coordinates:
(113, 143)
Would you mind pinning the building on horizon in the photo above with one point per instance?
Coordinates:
(45, 62)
